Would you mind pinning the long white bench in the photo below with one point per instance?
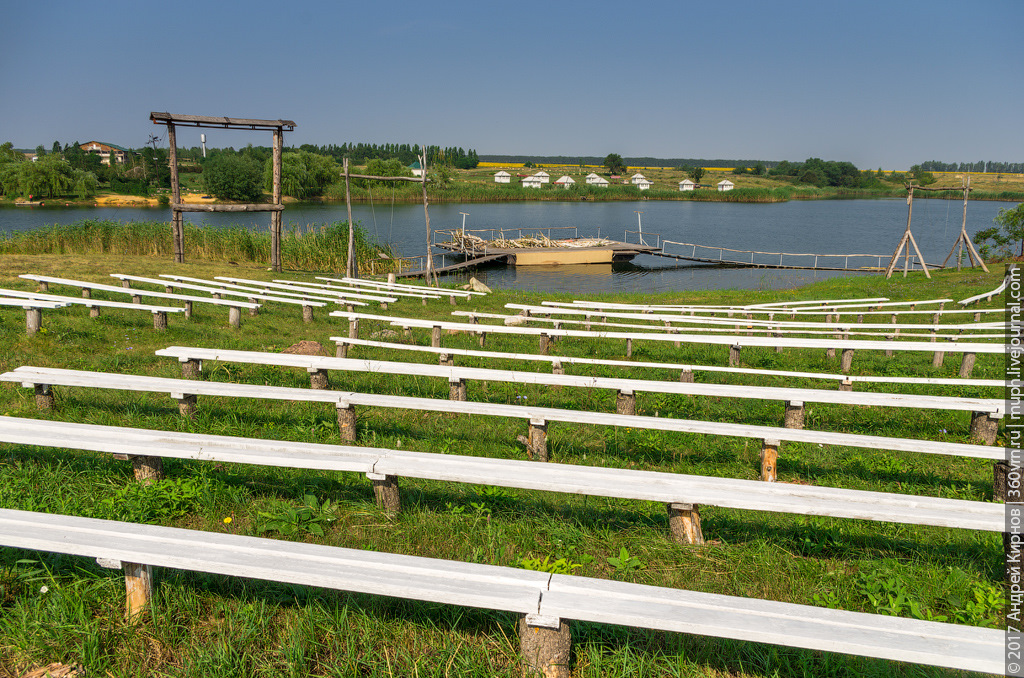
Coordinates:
(996, 331)
(545, 601)
(539, 417)
(234, 307)
(558, 364)
(219, 288)
(985, 296)
(423, 289)
(697, 308)
(353, 288)
(34, 319)
(847, 346)
(33, 310)
(599, 307)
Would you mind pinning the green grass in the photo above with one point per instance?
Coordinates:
(204, 625)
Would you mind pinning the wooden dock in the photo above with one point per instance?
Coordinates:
(724, 256)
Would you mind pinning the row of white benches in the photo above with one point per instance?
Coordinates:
(546, 602)
(735, 344)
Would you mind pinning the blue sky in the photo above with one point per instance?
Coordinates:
(881, 84)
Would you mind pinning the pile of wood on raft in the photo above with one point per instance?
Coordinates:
(469, 241)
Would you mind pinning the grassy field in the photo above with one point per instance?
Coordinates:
(64, 609)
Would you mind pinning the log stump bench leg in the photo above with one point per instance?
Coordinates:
(686, 376)
(188, 310)
(435, 336)
(44, 396)
(190, 368)
(734, 356)
(235, 317)
(318, 379)
(86, 293)
(536, 440)
(684, 523)
(138, 586)
(187, 404)
(483, 339)
(307, 313)
(456, 389)
(254, 311)
(846, 385)
(385, 492)
(342, 350)
(147, 469)
(545, 644)
(967, 365)
(846, 361)
(347, 422)
(625, 402)
(794, 416)
(160, 321)
(556, 367)
(33, 320)
(984, 427)
(94, 311)
(629, 347)
(446, 360)
(769, 460)
(353, 328)
(545, 344)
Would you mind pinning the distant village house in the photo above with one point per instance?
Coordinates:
(726, 185)
(686, 185)
(565, 181)
(417, 169)
(532, 182)
(642, 184)
(502, 177)
(105, 151)
(637, 178)
(543, 176)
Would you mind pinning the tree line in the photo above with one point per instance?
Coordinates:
(980, 166)
(407, 154)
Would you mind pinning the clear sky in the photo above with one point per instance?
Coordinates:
(878, 83)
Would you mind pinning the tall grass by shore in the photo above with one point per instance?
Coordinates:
(312, 247)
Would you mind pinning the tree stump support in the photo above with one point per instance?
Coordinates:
(984, 427)
(545, 644)
(347, 422)
(684, 523)
(385, 492)
(734, 356)
(625, 402)
(456, 389)
(318, 379)
(794, 416)
(769, 460)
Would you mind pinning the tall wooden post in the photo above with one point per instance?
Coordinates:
(907, 241)
(277, 217)
(963, 239)
(351, 266)
(430, 260)
(177, 227)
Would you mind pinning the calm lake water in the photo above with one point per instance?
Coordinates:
(824, 226)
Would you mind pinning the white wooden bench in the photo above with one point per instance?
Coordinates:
(234, 307)
(381, 463)
(217, 293)
(985, 296)
(421, 289)
(598, 308)
(33, 310)
(220, 288)
(735, 344)
(34, 318)
(353, 288)
(538, 417)
(298, 289)
(979, 331)
(545, 601)
(685, 371)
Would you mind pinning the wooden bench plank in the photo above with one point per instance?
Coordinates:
(239, 291)
(548, 477)
(509, 589)
(135, 292)
(678, 367)
(405, 286)
(89, 303)
(301, 289)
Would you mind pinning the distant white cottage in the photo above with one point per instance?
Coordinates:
(543, 176)
(502, 177)
(686, 185)
(532, 182)
(726, 185)
(642, 184)
(590, 178)
(565, 181)
(600, 182)
(637, 178)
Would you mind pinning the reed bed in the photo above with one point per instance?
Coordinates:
(310, 247)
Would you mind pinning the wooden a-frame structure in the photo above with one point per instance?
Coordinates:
(276, 208)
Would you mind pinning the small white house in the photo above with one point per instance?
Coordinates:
(600, 182)
(726, 185)
(532, 182)
(502, 177)
(416, 168)
(637, 178)
(642, 184)
(543, 176)
(565, 181)
(590, 178)
(686, 185)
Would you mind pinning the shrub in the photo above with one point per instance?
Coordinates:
(233, 177)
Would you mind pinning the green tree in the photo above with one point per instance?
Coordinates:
(696, 174)
(233, 177)
(303, 174)
(614, 163)
(1006, 235)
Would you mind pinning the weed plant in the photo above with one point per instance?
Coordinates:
(66, 609)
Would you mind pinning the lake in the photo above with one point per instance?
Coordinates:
(820, 226)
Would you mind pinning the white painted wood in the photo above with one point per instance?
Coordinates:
(767, 342)
(184, 285)
(301, 290)
(987, 295)
(239, 291)
(342, 288)
(453, 373)
(564, 360)
(28, 304)
(655, 486)
(828, 305)
(818, 302)
(511, 589)
(405, 286)
(600, 306)
(135, 292)
(258, 287)
(537, 313)
(89, 303)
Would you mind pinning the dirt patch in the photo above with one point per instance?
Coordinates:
(306, 347)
